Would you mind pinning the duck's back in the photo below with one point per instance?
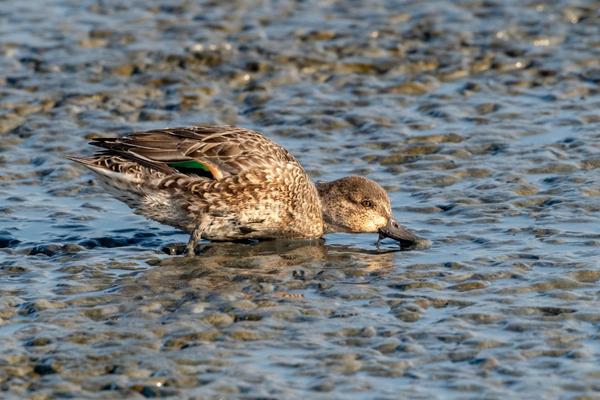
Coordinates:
(234, 181)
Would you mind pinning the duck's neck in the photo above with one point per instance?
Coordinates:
(329, 195)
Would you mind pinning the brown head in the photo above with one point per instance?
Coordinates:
(357, 204)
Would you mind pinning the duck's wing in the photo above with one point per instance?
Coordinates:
(211, 151)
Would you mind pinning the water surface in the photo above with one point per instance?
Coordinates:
(480, 118)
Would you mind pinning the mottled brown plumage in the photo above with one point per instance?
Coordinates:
(227, 183)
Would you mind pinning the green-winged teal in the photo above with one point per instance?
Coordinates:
(227, 183)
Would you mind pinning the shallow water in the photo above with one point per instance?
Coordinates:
(480, 118)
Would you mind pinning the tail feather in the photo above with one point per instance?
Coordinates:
(80, 160)
(101, 168)
(128, 149)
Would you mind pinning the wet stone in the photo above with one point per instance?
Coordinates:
(13, 269)
(219, 320)
(245, 335)
(40, 341)
(467, 286)
(47, 250)
(388, 347)
(7, 240)
(591, 163)
(325, 385)
(41, 305)
(586, 275)
(44, 369)
(192, 339)
(556, 168)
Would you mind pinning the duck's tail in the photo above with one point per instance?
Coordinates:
(120, 177)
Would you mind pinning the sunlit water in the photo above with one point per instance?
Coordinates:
(480, 118)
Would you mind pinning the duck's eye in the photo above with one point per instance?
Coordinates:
(366, 203)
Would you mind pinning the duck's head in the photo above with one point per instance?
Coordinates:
(357, 204)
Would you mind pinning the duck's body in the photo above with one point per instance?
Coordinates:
(221, 183)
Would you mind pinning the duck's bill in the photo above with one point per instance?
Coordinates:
(394, 230)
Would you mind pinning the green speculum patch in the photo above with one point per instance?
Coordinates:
(191, 167)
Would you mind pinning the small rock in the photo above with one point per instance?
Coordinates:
(44, 369)
(48, 250)
(218, 320)
(7, 240)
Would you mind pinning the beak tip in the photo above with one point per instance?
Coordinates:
(405, 238)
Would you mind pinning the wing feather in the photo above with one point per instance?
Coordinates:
(224, 150)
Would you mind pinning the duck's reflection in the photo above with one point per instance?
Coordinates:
(284, 265)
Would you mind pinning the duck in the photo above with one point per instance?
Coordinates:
(225, 183)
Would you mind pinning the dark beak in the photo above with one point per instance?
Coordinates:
(394, 230)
